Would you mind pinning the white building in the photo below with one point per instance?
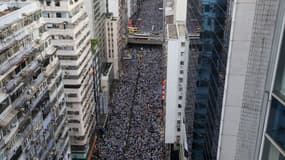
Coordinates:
(115, 30)
(113, 40)
(177, 60)
(32, 101)
(177, 50)
(68, 24)
(132, 6)
(175, 11)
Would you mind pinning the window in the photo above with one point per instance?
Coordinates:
(276, 125)
(182, 44)
(3, 105)
(73, 121)
(181, 71)
(181, 63)
(75, 129)
(58, 15)
(207, 8)
(57, 3)
(270, 152)
(178, 129)
(279, 85)
(72, 86)
(180, 97)
(48, 2)
(180, 80)
(178, 122)
(73, 112)
(179, 106)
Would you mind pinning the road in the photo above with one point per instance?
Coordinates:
(151, 15)
(135, 126)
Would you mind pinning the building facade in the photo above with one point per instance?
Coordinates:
(207, 28)
(132, 6)
(113, 45)
(177, 51)
(68, 24)
(253, 105)
(96, 10)
(177, 60)
(115, 32)
(33, 109)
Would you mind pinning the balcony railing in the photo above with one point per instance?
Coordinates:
(19, 56)
(52, 68)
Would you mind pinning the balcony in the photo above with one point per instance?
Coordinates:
(19, 57)
(52, 68)
(16, 151)
(39, 99)
(47, 149)
(50, 50)
(8, 116)
(11, 132)
(29, 70)
(12, 84)
(10, 40)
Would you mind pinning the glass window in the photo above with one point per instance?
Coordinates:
(279, 86)
(270, 152)
(3, 105)
(276, 125)
(57, 3)
(58, 15)
(48, 2)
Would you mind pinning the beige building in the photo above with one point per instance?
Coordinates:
(115, 31)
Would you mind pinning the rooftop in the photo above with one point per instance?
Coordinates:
(181, 30)
(176, 31)
(14, 11)
(172, 31)
(7, 10)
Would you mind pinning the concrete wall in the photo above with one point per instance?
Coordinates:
(171, 90)
(238, 56)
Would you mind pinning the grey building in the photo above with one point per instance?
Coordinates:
(252, 122)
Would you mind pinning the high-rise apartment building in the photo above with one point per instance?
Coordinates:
(67, 23)
(115, 31)
(96, 10)
(208, 34)
(176, 49)
(177, 60)
(252, 123)
(32, 102)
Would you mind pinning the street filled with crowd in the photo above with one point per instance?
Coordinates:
(151, 14)
(134, 128)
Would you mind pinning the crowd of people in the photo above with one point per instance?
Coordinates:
(151, 15)
(135, 119)
(134, 130)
